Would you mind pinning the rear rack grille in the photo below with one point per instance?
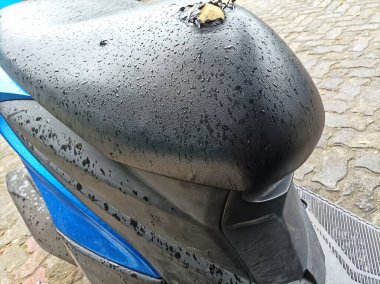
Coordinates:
(354, 241)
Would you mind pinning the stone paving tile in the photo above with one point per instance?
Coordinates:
(339, 44)
(332, 168)
(369, 160)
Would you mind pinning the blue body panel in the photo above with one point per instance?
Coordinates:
(9, 90)
(5, 3)
(73, 218)
(70, 216)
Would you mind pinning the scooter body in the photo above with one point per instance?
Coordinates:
(160, 147)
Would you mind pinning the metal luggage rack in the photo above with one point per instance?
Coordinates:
(354, 241)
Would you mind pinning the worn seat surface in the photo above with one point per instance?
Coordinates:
(228, 106)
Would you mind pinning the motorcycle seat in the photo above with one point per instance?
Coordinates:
(227, 105)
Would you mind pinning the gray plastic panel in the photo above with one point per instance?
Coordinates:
(100, 270)
(35, 214)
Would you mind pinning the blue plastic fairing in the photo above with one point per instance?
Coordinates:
(5, 3)
(73, 218)
(9, 90)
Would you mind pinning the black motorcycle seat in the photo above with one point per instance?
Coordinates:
(228, 105)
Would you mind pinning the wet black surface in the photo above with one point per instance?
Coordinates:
(227, 106)
(164, 117)
(174, 224)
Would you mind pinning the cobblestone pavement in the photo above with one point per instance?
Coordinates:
(339, 43)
